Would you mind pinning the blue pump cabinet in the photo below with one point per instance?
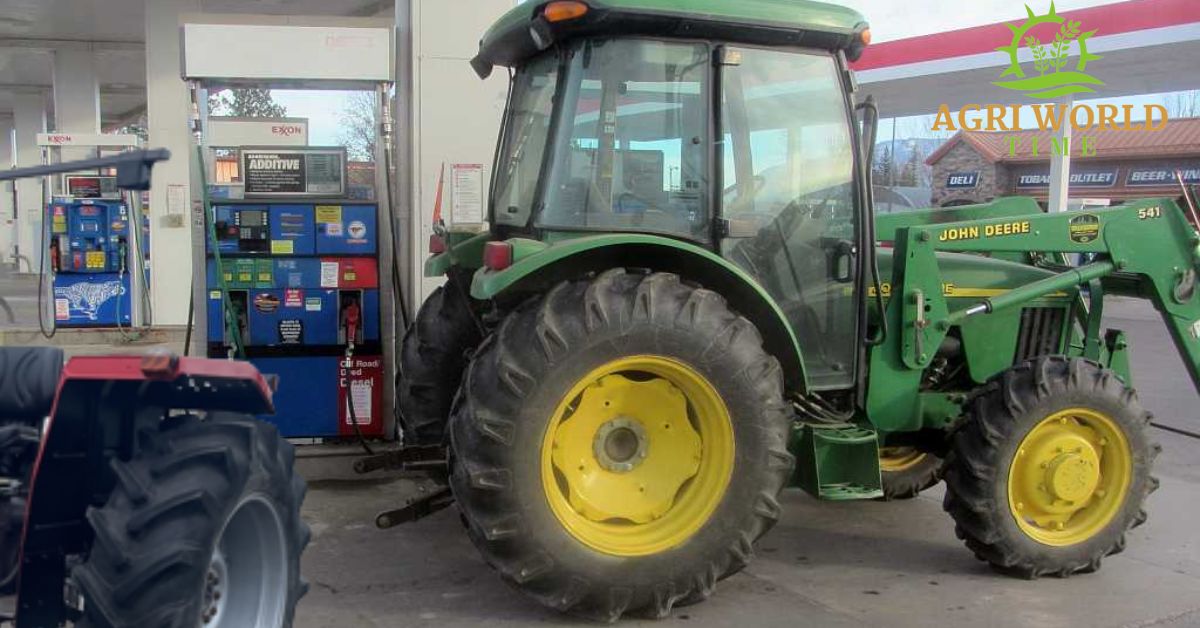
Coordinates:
(89, 254)
(295, 274)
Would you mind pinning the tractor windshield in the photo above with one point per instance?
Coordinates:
(630, 148)
(524, 143)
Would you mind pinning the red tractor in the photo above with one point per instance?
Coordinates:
(142, 491)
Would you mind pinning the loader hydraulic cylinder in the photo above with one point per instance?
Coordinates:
(1037, 289)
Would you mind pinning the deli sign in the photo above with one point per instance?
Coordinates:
(962, 180)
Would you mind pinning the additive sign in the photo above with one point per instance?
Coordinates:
(293, 172)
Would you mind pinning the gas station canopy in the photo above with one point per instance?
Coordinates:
(1148, 46)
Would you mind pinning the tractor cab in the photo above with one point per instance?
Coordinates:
(624, 118)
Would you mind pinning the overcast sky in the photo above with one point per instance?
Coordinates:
(897, 19)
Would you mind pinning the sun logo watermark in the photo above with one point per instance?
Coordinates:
(1051, 60)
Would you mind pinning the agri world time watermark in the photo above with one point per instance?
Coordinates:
(1057, 69)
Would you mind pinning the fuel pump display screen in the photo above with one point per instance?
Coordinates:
(91, 186)
(252, 219)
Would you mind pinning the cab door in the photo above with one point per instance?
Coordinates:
(788, 213)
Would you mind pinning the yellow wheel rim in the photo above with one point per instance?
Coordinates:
(895, 459)
(638, 455)
(1069, 477)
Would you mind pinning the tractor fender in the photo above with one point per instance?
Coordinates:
(538, 266)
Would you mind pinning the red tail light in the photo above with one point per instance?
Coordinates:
(497, 255)
(437, 244)
(160, 365)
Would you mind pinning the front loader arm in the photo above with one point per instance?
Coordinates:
(1146, 249)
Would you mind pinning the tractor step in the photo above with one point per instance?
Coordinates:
(836, 462)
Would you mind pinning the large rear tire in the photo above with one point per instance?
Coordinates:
(203, 528)
(1051, 468)
(433, 357)
(619, 445)
(18, 451)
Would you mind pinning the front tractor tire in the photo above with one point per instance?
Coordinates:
(1051, 468)
(203, 528)
(433, 356)
(619, 445)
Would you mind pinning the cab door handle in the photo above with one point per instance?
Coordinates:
(845, 258)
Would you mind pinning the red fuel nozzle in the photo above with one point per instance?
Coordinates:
(352, 315)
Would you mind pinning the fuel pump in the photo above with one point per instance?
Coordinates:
(94, 247)
(296, 253)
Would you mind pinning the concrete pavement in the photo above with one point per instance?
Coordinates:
(825, 564)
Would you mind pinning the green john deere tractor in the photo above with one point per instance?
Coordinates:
(684, 304)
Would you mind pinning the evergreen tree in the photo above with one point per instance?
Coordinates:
(245, 103)
(910, 174)
(882, 170)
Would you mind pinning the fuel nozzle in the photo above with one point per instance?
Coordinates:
(122, 255)
(351, 318)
